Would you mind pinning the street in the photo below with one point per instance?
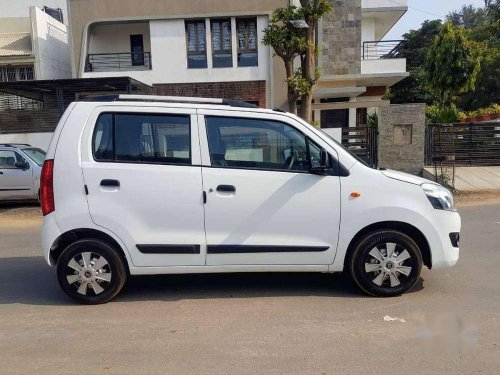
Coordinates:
(252, 323)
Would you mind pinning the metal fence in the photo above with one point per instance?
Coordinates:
(385, 49)
(463, 144)
(362, 141)
(111, 62)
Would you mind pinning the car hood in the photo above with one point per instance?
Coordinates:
(405, 177)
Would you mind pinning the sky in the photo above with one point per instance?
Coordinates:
(421, 10)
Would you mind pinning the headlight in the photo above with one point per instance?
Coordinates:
(440, 197)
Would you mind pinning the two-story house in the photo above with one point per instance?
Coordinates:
(214, 49)
(34, 41)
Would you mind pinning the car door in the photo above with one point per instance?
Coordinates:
(142, 170)
(15, 183)
(263, 206)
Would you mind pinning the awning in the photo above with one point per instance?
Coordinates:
(17, 44)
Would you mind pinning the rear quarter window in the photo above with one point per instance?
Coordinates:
(142, 138)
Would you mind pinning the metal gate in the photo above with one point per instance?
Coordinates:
(362, 141)
(463, 144)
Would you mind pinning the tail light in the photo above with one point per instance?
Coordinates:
(47, 187)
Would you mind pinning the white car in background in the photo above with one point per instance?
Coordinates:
(141, 185)
(20, 168)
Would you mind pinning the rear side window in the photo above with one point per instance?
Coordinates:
(142, 138)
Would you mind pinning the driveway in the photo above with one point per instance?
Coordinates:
(252, 323)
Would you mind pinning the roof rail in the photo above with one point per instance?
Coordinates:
(172, 99)
(13, 144)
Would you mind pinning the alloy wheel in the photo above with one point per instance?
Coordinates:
(88, 273)
(388, 265)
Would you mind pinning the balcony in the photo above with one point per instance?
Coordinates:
(115, 62)
(382, 49)
(381, 64)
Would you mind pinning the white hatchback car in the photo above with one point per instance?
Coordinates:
(137, 185)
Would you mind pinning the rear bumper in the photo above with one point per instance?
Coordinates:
(443, 250)
(50, 233)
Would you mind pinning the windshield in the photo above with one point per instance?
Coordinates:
(35, 154)
(364, 162)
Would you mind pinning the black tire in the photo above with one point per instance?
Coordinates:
(115, 266)
(362, 261)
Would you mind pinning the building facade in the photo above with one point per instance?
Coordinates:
(214, 49)
(34, 41)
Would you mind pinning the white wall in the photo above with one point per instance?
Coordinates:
(336, 133)
(40, 140)
(383, 66)
(367, 29)
(50, 46)
(169, 58)
(383, 3)
(116, 38)
(20, 8)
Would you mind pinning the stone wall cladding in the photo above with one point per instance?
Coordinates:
(406, 158)
(341, 45)
(240, 90)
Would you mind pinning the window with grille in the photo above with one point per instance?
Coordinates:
(222, 43)
(196, 44)
(247, 41)
(11, 73)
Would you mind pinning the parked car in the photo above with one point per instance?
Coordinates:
(20, 168)
(137, 185)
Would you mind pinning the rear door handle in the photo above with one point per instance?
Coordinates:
(226, 188)
(113, 183)
(1, 172)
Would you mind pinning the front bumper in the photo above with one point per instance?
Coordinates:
(444, 250)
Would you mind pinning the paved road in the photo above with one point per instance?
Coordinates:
(266, 324)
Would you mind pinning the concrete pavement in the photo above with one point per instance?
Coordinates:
(471, 178)
(252, 323)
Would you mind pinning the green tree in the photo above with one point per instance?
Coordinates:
(453, 63)
(290, 41)
(469, 17)
(313, 11)
(414, 49)
(486, 32)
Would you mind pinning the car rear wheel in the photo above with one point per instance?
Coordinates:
(386, 263)
(91, 272)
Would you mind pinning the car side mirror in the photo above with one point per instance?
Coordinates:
(21, 165)
(323, 165)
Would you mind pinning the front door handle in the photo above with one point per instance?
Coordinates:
(110, 183)
(226, 189)
(1, 172)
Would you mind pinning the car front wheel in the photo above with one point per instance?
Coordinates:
(91, 272)
(386, 263)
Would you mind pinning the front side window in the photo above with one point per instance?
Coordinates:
(258, 144)
(247, 42)
(142, 138)
(222, 43)
(8, 159)
(196, 44)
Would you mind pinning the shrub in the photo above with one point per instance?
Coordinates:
(441, 115)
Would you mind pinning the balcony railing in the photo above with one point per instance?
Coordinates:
(111, 62)
(384, 49)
